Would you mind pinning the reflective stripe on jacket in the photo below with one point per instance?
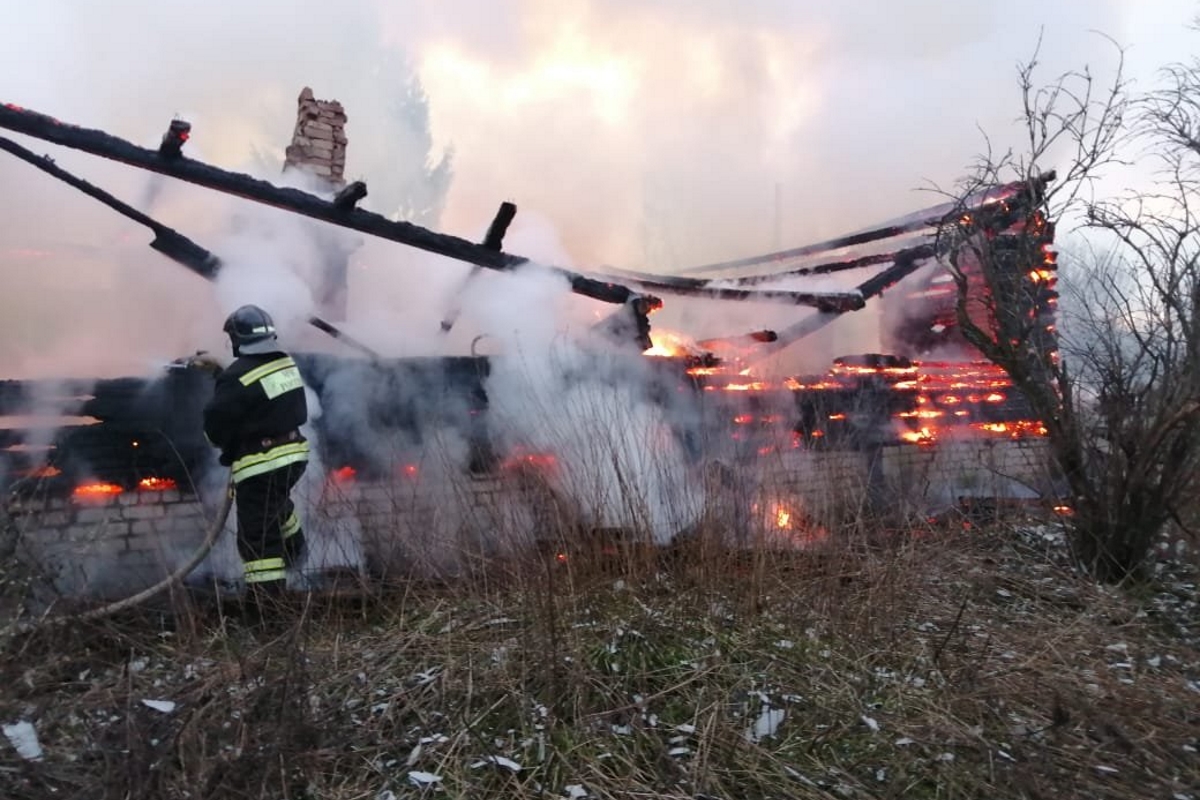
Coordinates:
(259, 463)
(276, 377)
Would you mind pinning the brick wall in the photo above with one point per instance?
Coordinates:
(916, 478)
(437, 525)
(444, 524)
(111, 546)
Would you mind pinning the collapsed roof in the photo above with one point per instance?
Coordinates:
(891, 252)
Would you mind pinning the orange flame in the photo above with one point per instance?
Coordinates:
(921, 437)
(44, 472)
(783, 518)
(543, 461)
(156, 484)
(666, 344)
(97, 490)
(343, 474)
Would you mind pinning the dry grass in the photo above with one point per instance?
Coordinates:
(954, 664)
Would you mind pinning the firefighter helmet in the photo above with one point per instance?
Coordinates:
(250, 330)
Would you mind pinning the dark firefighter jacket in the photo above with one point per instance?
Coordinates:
(255, 414)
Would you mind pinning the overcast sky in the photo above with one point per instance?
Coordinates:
(641, 133)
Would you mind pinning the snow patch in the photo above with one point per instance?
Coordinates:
(164, 706)
(23, 737)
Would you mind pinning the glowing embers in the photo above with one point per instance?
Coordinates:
(1015, 429)
(521, 459)
(96, 491)
(783, 518)
(46, 471)
(747, 386)
(345, 474)
(906, 371)
(924, 436)
(348, 474)
(734, 381)
(99, 490)
(929, 401)
(784, 524)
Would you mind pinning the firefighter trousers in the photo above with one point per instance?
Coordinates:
(269, 536)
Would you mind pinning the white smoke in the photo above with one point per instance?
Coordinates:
(331, 541)
(560, 389)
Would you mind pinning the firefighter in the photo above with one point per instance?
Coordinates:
(254, 418)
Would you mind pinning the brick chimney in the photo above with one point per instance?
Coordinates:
(319, 148)
(319, 141)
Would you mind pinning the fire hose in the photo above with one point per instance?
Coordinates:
(176, 577)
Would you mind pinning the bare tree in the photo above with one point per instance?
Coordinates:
(1117, 383)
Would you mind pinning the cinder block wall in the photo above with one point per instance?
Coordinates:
(109, 546)
(917, 478)
(112, 546)
(443, 524)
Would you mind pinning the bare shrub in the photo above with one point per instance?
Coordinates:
(1116, 385)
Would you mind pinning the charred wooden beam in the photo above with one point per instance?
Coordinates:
(630, 324)
(494, 240)
(823, 301)
(906, 262)
(105, 145)
(1025, 193)
(178, 132)
(348, 197)
(167, 241)
(741, 341)
(171, 243)
(689, 284)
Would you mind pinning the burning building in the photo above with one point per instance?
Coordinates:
(125, 471)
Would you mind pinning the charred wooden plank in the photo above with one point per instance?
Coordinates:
(105, 145)
(171, 243)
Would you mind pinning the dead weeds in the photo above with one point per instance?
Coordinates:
(971, 664)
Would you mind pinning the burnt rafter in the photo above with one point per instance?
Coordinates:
(105, 145)
(168, 241)
(822, 301)
(994, 209)
(904, 263)
(604, 288)
(1015, 194)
